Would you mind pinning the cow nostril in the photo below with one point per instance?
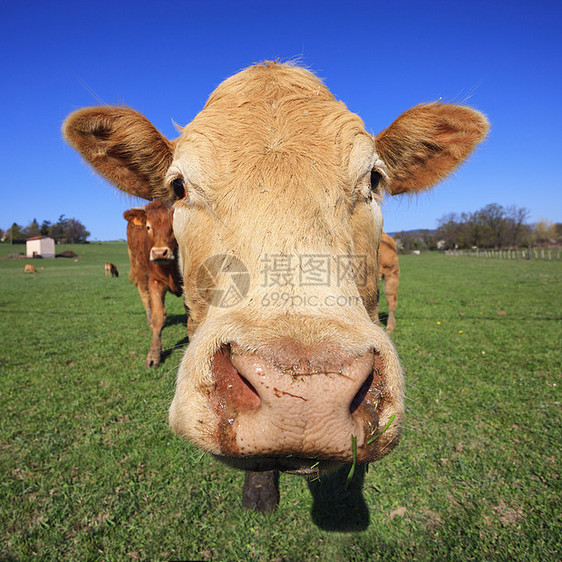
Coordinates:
(250, 393)
(233, 391)
(359, 398)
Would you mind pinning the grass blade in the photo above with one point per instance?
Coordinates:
(375, 437)
(354, 464)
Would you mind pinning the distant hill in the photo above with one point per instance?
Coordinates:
(415, 232)
(414, 240)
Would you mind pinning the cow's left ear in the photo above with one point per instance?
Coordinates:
(427, 142)
(122, 145)
(135, 216)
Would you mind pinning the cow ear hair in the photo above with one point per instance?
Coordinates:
(123, 146)
(138, 216)
(428, 142)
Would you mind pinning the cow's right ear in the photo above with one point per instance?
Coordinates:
(428, 142)
(136, 216)
(122, 145)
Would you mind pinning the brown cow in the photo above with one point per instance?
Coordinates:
(276, 188)
(389, 272)
(154, 268)
(28, 268)
(111, 270)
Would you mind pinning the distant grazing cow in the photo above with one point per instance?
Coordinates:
(389, 272)
(28, 268)
(154, 268)
(111, 270)
(276, 188)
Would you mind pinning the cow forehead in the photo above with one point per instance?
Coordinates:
(269, 81)
(159, 218)
(272, 120)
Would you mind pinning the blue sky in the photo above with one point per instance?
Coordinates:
(164, 58)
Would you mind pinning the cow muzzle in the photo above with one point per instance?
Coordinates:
(300, 414)
(161, 254)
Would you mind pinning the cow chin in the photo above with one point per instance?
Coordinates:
(308, 468)
(288, 404)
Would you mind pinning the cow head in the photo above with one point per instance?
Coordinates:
(276, 189)
(155, 218)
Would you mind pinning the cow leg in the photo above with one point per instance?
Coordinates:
(157, 294)
(391, 293)
(261, 491)
(376, 319)
(145, 298)
(191, 326)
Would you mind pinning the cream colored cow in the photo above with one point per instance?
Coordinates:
(276, 188)
(389, 272)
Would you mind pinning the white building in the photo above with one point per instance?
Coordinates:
(40, 246)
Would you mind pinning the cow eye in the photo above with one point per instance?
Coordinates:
(179, 188)
(375, 180)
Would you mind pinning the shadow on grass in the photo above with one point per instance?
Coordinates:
(383, 318)
(181, 344)
(175, 319)
(336, 508)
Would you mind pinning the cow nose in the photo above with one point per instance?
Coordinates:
(162, 253)
(309, 408)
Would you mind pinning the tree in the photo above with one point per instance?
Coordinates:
(518, 232)
(31, 230)
(56, 230)
(428, 238)
(544, 232)
(15, 233)
(491, 219)
(71, 231)
(68, 231)
(558, 227)
(44, 229)
(449, 230)
(493, 226)
(423, 239)
(74, 232)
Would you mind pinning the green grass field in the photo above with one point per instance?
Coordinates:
(90, 470)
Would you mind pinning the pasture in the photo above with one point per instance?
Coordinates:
(90, 470)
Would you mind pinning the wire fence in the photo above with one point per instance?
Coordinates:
(511, 254)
